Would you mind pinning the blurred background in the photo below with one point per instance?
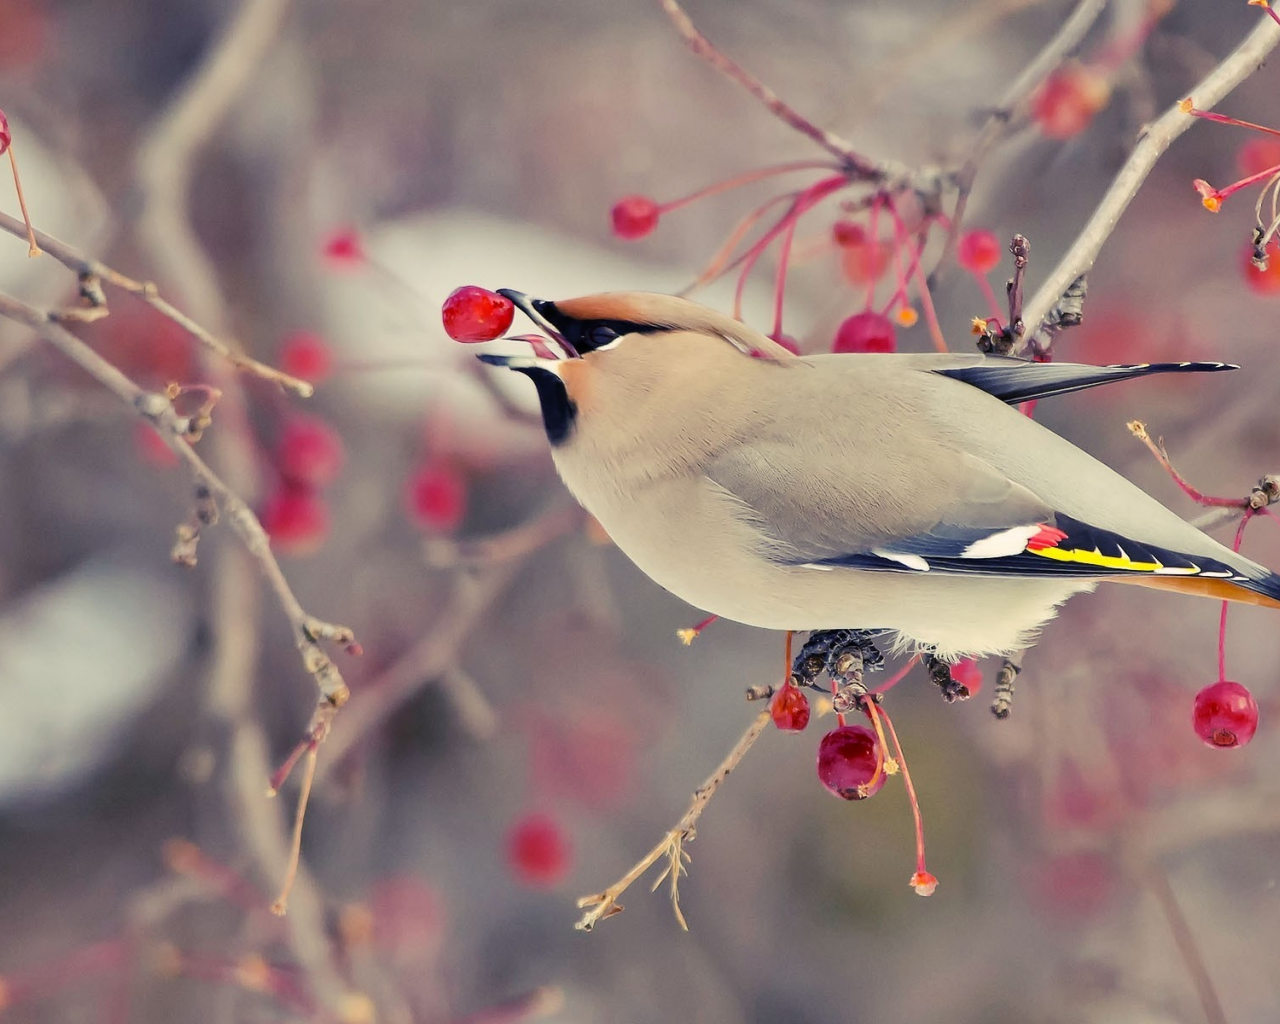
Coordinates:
(524, 721)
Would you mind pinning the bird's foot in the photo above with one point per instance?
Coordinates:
(844, 655)
(940, 673)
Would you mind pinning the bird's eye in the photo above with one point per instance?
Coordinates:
(599, 335)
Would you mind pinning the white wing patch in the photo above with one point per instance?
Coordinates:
(910, 561)
(1005, 543)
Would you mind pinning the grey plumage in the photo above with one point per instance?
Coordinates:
(875, 491)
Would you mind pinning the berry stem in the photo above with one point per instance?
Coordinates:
(930, 314)
(805, 201)
(1209, 115)
(720, 263)
(873, 238)
(32, 248)
(747, 178)
(780, 282)
(1139, 430)
(281, 903)
(911, 794)
(1222, 618)
(882, 745)
(898, 676)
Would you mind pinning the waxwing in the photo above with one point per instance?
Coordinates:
(896, 492)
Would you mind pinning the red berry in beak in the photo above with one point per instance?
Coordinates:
(476, 314)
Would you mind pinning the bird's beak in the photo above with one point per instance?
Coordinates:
(540, 311)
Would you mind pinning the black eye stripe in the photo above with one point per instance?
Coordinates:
(588, 335)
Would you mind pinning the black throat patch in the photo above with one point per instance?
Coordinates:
(558, 411)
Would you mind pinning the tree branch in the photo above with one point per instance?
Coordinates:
(1234, 69)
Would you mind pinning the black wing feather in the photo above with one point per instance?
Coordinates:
(1020, 380)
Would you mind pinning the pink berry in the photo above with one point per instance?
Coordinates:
(471, 313)
(789, 708)
(437, 496)
(344, 248)
(968, 675)
(634, 217)
(1225, 714)
(309, 452)
(866, 332)
(847, 759)
(846, 233)
(6, 136)
(1257, 155)
(1068, 100)
(306, 356)
(1262, 282)
(296, 519)
(979, 251)
(538, 851)
(863, 261)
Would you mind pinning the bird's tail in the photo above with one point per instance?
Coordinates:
(1255, 585)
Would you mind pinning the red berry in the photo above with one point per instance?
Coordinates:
(789, 708)
(296, 519)
(306, 356)
(1225, 714)
(866, 332)
(968, 675)
(1068, 100)
(309, 452)
(979, 251)
(6, 136)
(847, 759)
(847, 232)
(344, 248)
(1257, 155)
(476, 314)
(1263, 282)
(437, 496)
(634, 217)
(538, 851)
(864, 261)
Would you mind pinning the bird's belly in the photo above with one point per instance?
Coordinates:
(713, 562)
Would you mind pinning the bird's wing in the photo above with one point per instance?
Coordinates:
(1018, 380)
(939, 511)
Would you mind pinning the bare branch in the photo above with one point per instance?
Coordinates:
(605, 904)
(92, 272)
(1234, 69)
(157, 410)
(857, 166)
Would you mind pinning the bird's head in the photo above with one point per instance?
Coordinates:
(626, 353)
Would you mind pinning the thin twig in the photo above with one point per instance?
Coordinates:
(1234, 69)
(157, 410)
(91, 271)
(605, 904)
(281, 902)
(1010, 112)
(1184, 938)
(853, 164)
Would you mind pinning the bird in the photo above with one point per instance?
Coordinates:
(897, 493)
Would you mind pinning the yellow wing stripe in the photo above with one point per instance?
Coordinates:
(1096, 558)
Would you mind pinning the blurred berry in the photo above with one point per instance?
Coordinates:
(305, 355)
(1068, 100)
(309, 452)
(296, 519)
(979, 252)
(1257, 155)
(1263, 282)
(538, 851)
(437, 496)
(344, 249)
(634, 217)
